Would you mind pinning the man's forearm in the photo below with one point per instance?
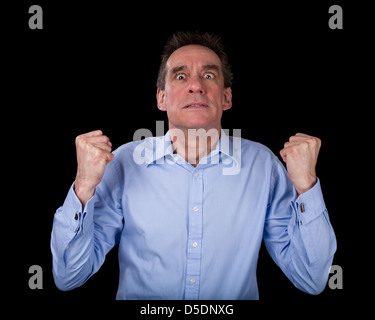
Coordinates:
(313, 242)
(71, 244)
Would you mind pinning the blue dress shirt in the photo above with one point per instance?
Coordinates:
(188, 232)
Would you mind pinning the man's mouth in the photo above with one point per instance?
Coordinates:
(196, 106)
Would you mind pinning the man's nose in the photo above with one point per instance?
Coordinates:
(196, 86)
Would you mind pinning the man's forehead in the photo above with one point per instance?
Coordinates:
(185, 56)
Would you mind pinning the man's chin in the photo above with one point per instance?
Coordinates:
(194, 125)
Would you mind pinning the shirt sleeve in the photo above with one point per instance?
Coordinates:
(298, 234)
(81, 237)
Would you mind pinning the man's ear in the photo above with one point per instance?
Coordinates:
(227, 98)
(160, 97)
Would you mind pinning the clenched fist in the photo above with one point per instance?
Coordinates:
(300, 155)
(93, 154)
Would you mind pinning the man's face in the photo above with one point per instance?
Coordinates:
(194, 94)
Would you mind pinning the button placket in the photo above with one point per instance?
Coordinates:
(194, 252)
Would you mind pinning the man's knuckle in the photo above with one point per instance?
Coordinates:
(84, 144)
(311, 140)
(81, 142)
(290, 150)
(78, 139)
(305, 145)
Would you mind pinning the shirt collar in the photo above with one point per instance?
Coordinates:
(162, 148)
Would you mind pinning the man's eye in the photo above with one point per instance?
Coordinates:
(180, 77)
(209, 76)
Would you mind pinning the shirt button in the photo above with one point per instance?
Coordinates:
(195, 244)
(192, 281)
(175, 158)
(195, 208)
(76, 216)
(196, 174)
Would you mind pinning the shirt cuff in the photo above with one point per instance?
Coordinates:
(309, 204)
(73, 213)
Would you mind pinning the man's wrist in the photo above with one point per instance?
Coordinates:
(302, 188)
(83, 191)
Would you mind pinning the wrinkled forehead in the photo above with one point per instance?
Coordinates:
(193, 56)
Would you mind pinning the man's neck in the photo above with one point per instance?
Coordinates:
(194, 144)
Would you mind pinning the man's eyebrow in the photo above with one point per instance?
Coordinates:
(177, 69)
(211, 67)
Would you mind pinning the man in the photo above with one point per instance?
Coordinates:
(186, 228)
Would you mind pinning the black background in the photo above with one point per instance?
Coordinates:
(94, 66)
